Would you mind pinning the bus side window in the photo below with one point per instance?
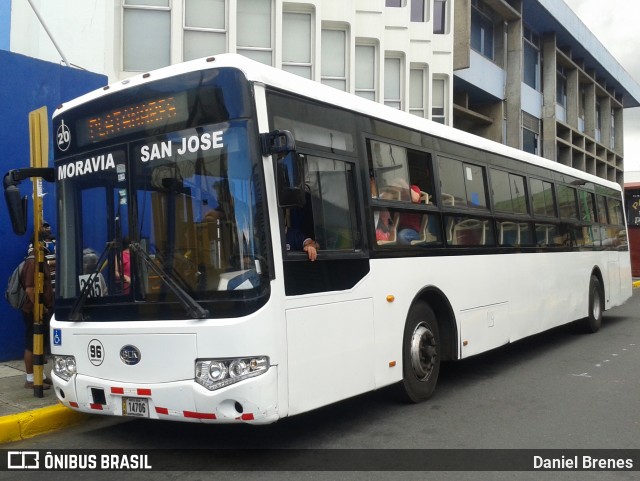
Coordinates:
(547, 235)
(421, 174)
(462, 184)
(468, 231)
(329, 215)
(388, 170)
(542, 198)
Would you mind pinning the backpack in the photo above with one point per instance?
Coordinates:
(15, 293)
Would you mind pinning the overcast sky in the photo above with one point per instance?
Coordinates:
(616, 24)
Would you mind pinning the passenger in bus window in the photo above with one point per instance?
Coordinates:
(383, 223)
(124, 279)
(409, 225)
(372, 185)
(297, 241)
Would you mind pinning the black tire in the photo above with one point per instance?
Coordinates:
(420, 353)
(593, 321)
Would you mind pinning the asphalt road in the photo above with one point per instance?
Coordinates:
(559, 390)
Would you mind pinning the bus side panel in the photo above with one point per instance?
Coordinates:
(613, 291)
(619, 282)
(626, 284)
(488, 326)
(331, 351)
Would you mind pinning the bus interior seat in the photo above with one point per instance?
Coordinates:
(390, 193)
(393, 231)
(509, 233)
(470, 232)
(448, 199)
(425, 236)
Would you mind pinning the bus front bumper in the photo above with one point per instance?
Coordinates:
(253, 401)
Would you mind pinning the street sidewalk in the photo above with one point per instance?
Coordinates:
(22, 415)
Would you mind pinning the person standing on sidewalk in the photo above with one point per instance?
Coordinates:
(28, 281)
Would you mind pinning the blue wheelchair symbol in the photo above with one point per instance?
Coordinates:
(57, 337)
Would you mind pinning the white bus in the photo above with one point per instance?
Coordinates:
(180, 296)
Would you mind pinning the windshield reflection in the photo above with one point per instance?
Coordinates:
(189, 205)
(197, 209)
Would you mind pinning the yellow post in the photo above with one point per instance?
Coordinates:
(39, 141)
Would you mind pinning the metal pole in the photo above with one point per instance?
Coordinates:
(64, 59)
(39, 145)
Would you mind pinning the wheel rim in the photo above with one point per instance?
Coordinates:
(424, 352)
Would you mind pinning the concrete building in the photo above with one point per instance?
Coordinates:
(397, 54)
(526, 73)
(529, 74)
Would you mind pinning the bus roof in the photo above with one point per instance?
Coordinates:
(270, 76)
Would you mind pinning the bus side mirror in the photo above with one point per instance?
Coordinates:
(17, 206)
(289, 167)
(278, 142)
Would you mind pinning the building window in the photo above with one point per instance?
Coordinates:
(419, 11)
(439, 16)
(561, 94)
(365, 71)
(481, 32)
(581, 105)
(393, 82)
(395, 3)
(146, 32)
(296, 43)
(205, 28)
(612, 144)
(531, 53)
(334, 58)
(529, 141)
(530, 134)
(438, 100)
(418, 91)
(598, 131)
(254, 30)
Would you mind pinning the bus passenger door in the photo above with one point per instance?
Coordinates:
(330, 333)
(330, 349)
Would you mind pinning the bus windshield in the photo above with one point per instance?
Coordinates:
(185, 201)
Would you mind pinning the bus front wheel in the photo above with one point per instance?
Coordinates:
(593, 321)
(420, 353)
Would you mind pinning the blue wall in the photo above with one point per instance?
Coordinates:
(27, 84)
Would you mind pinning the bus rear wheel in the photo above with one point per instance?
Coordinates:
(420, 353)
(593, 321)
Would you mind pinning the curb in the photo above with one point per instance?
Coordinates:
(25, 425)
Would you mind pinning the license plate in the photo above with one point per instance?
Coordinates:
(135, 406)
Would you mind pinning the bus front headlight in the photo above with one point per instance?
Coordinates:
(64, 366)
(216, 373)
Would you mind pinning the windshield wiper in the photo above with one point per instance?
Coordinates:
(75, 314)
(190, 305)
